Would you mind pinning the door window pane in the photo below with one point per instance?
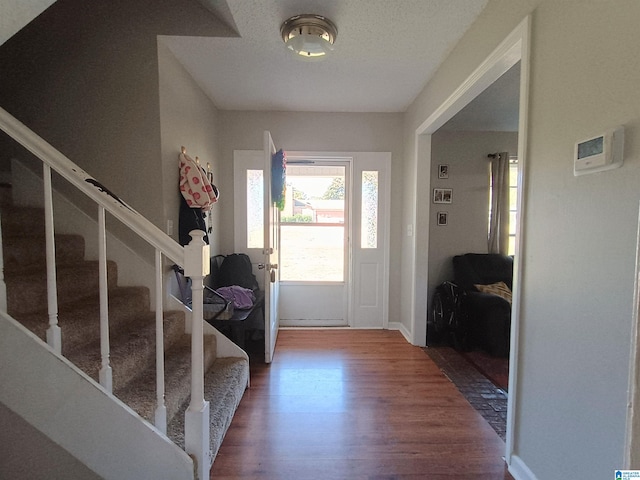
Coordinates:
(312, 224)
(513, 203)
(369, 215)
(255, 209)
(312, 253)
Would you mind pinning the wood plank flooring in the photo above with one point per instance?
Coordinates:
(355, 404)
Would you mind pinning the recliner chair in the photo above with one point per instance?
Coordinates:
(488, 315)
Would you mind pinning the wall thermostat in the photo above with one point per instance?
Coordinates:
(600, 153)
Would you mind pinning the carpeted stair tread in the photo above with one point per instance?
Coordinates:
(140, 392)
(27, 292)
(22, 221)
(28, 253)
(6, 196)
(132, 349)
(80, 320)
(225, 383)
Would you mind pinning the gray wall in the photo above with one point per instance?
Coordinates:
(188, 118)
(326, 132)
(93, 90)
(579, 232)
(466, 231)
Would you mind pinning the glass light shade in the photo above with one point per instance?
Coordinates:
(308, 36)
(309, 47)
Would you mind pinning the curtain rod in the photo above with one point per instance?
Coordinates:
(493, 155)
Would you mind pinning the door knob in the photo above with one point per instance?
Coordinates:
(270, 266)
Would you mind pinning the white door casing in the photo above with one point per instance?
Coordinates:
(367, 273)
(370, 257)
(514, 48)
(245, 161)
(316, 301)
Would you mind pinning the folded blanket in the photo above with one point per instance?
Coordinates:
(242, 298)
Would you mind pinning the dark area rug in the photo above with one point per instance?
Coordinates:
(483, 395)
(495, 369)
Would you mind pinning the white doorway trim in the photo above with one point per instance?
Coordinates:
(318, 303)
(632, 434)
(514, 48)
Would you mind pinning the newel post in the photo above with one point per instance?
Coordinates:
(196, 266)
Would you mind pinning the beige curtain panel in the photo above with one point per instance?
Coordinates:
(499, 224)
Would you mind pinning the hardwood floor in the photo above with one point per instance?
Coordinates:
(355, 404)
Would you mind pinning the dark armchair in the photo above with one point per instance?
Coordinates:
(488, 314)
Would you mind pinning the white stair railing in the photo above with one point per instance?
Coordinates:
(194, 259)
(54, 336)
(161, 408)
(106, 374)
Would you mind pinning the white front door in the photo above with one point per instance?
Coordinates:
(314, 252)
(271, 251)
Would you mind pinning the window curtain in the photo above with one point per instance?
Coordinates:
(499, 224)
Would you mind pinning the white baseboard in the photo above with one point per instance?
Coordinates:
(519, 470)
(332, 323)
(403, 330)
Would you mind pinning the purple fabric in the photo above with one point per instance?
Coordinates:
(242, 298)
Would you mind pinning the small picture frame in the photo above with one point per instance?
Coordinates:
(442, 218)
(442, 195)
(443, 171)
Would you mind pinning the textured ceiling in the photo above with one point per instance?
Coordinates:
(15, 14)
(253, 72)
(385, 53)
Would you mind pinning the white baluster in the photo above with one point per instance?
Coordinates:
(196, 266)
(106, 375)
(161, 409)
(54, 335)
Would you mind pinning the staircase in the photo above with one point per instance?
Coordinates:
(132, 326)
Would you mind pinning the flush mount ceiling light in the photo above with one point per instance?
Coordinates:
(308, 36)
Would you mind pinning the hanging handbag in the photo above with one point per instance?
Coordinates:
(195, 186)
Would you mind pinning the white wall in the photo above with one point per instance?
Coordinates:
(20, 440)
(328, 132)
(466, 231)
(579, 232)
